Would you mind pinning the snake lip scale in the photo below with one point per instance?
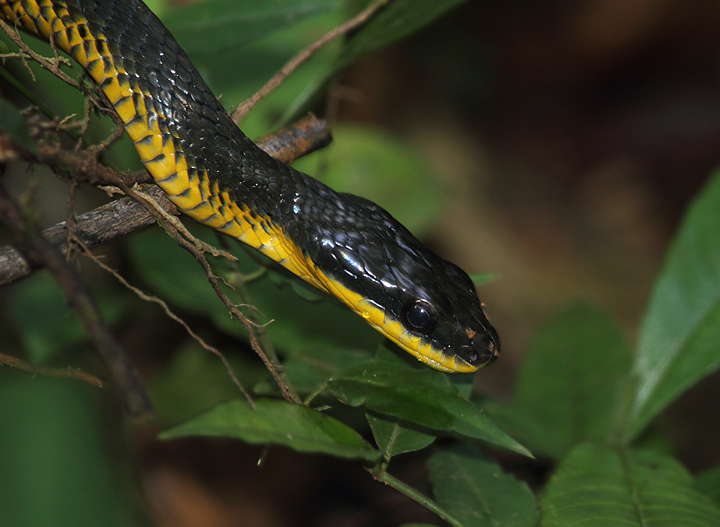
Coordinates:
(342, 244)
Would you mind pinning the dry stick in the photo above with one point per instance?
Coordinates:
(27, 51)
(183, 231)
(51, 372)
(122, 372)
(95, 228)
(245, 106)
(60, 373)
(299, 139)
(52, 65)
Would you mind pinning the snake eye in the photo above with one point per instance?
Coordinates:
(419, 317)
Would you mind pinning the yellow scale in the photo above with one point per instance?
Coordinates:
(198, 196)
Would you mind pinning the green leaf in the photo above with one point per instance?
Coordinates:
(679, 341)
(569, 383)
(394, 436)
(596, 486)
(13, 125)
(280, 423)
(392, 22)
(708, 483)
(258, 38)
(425, 397)
(475, 490)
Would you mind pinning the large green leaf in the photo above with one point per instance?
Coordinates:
(280, 423)
(425, 397)
(569, 383)
(597, 486)
(476, 491)
(679, 341)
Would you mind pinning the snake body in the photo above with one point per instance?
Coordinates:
(340, 243)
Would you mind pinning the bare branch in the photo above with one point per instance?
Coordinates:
(14, 362)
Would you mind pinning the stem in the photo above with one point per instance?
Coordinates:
(417, 496)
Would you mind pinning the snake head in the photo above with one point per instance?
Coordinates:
(445, 312)
(424, 304)
(441, 316)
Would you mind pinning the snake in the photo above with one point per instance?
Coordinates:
(340, 243)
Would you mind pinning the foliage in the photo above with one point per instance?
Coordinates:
(583, 398)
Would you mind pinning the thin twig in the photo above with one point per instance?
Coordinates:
(239, 286)
(48, 64)
(14, 362)
(244, 107)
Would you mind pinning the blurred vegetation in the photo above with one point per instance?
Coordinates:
(556, 145)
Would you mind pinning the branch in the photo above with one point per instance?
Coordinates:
(14, 362)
